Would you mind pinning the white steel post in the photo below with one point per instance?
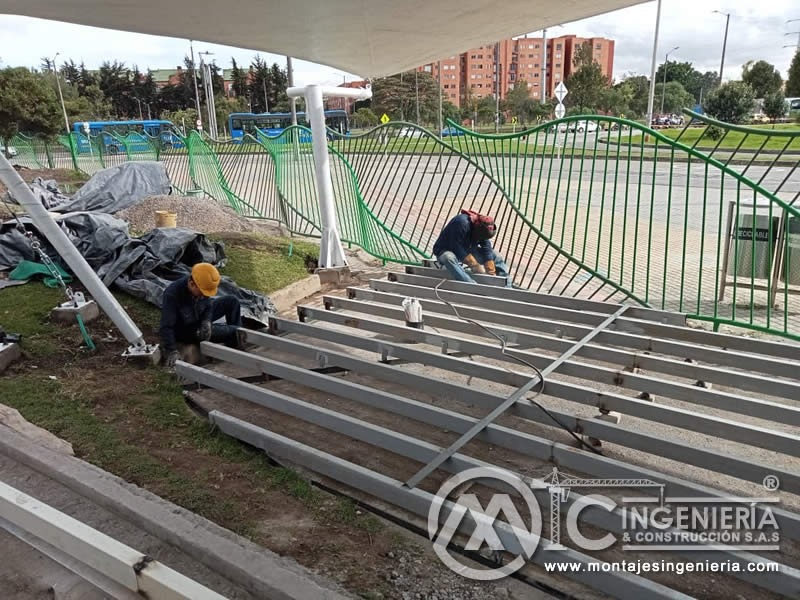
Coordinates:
(331, 253)
(67, 250)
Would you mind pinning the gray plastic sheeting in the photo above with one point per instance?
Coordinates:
(142, 267)
(110, 190)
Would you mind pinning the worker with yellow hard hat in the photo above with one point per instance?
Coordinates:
(189, 310)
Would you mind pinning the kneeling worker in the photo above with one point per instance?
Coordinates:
(466, 239)
(188, 312)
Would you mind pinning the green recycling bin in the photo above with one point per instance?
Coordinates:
(791, 265)
(753, 258)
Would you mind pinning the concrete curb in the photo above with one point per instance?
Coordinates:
(256, 569)
(287, 297)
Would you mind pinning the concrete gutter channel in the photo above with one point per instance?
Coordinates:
(225, 558)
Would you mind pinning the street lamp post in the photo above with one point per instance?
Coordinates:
(653, 68)
(139, 102)
(664, 88)
(196, 92)
(793, 32)
(60, 95)
(724, 42)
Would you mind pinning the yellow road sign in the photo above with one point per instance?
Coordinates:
(514, 120)
(385, 119)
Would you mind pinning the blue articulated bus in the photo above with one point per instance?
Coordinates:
(273, 124)
(127, 130)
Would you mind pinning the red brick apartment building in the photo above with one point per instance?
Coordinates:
(519, 59)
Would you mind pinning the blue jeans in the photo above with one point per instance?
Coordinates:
(457, 271)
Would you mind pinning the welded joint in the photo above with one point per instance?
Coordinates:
(301, 314)
(142, 564)
(273, 327)
(391, 277)
(322, 359)
(327, 303)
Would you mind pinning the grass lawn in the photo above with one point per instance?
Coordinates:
(133, 421)
(734, 138)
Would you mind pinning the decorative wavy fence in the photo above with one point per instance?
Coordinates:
(705, 222)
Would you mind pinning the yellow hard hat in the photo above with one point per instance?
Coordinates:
(206, 277)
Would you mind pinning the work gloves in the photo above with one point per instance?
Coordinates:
(490, 268)
(473, 264)
(172, 357)
(204, 333)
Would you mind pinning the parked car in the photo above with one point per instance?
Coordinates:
(411, 132)
(11, 152)
(451, 131)
(581, 126)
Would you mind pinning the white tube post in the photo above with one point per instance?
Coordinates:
(331, 253)
(67, 250)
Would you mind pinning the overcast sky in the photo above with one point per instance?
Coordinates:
(756, 32)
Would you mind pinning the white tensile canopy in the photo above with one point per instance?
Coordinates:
(368, 37)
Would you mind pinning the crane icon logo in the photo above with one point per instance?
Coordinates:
(461, 511)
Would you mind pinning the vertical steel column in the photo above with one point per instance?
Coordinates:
(331, 253)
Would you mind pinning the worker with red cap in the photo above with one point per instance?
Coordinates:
(189, 311)
(467, 239)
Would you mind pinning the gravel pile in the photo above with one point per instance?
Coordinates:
(195, 213)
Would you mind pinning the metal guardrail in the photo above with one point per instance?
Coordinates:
(592, 206)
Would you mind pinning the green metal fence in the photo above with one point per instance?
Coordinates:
(592, 206)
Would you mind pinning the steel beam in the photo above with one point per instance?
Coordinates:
(679, 391)
(666, 415)
(499, 409)
(683, 350)
(627, 325)
(536, 298)
(560, 454)
(416, 501)
(493, 280)
(704, 458)
(624, 358)
(422, 451)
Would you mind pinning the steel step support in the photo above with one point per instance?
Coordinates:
(499, 409)
(666, 415)
(785, 581)
(753, 407)
(617, 585)
(524, 341)
(682, 350)
(527, 444)
(710, 459)
(625, 324)
(537, 298)
(443, 274)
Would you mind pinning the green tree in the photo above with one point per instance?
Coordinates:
(365, 117)
(90, 106)
(762, 77)
(396, 96)
(117, 83)
(517, 101)
(732, 102)
(469, 105)
(775, 105)
(185, 119)
(258, 89)
(450, 111)
(635, 89)
(487, 107)
(675, 97)
(27, 103)
(587, 83)
(239, 80)
(793, 81)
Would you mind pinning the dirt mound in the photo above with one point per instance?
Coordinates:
(195, 213)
